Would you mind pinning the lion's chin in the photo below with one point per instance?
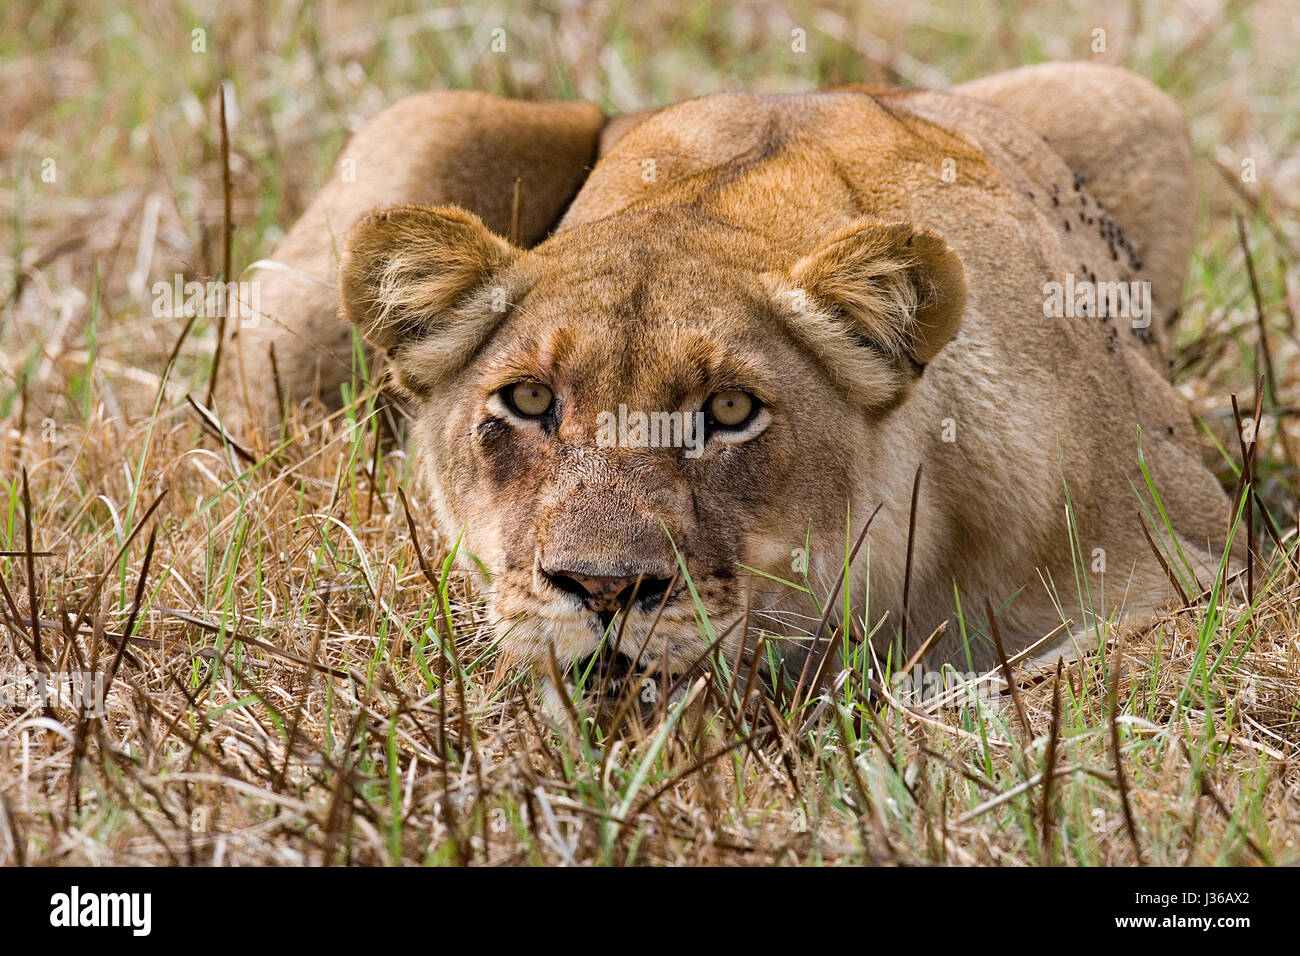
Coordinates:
(615, 693)
(633, 667)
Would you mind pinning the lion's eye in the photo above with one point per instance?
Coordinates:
(528, 399)
(732, 409)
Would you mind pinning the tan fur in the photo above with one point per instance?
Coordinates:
(1127, 141)
(815, 251)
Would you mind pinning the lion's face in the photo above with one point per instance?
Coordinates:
(642, 423)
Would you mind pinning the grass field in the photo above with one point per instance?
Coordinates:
(296, 674)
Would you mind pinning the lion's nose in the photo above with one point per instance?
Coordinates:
(608, 594)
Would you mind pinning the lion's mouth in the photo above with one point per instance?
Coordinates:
(612, 678)
(607, 673)
(611, 672)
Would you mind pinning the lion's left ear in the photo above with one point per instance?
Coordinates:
(896, 288)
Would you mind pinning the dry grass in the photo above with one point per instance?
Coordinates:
(294, 686)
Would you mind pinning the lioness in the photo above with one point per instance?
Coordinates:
(728, 335)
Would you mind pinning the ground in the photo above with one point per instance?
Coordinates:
(290, 691)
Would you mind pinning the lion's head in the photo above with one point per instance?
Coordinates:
(647, 415)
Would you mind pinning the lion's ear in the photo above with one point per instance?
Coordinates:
(897, 288)
(412, 274)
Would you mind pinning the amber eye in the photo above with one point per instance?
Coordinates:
(732, 409)
(528, 399)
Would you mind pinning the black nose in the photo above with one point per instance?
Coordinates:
(608, 594)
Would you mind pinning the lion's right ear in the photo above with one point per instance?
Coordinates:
(419, 274)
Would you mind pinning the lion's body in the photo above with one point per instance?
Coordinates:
(1036, 405)
(671, 273)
